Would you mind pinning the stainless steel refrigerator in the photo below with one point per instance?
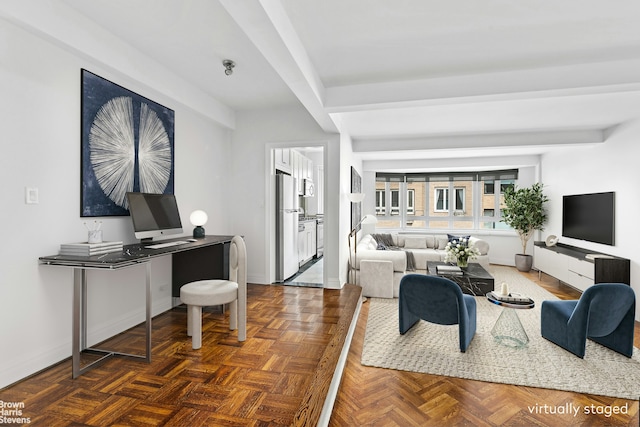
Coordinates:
(286, 227)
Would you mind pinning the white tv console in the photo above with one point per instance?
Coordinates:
(579, 267)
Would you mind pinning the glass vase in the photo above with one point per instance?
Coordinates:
(462, 263)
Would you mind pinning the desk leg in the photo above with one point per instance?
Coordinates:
(148, 319)
(79, 322)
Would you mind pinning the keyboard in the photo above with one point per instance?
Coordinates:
(166, 245)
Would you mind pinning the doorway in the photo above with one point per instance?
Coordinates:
(305, 164)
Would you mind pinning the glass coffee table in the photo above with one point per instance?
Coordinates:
(474, 280)
(508, 329)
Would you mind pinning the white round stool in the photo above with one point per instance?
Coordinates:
(204, 293)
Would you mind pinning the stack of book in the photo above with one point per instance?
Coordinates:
(512, 297)
(449, 270)
(89, 249)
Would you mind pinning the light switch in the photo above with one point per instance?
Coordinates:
(31, 195)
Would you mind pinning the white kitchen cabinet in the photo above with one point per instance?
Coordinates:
(282, 159)
(301, 169)
(308, 169)
(306, 241)
(302, 246)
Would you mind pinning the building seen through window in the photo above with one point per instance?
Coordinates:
(447, 201)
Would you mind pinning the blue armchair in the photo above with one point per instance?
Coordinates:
(605, 313)
(436, 300)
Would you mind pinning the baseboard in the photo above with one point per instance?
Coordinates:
(327, 408)
(12, 373)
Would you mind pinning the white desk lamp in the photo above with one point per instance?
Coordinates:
(198, 218)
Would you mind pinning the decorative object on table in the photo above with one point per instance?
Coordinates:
(89, 249)
(367, 219)
(542, 364)
(551, 240)
(460, 252)
(605, 313)
(127, 144)
(504, 289)
(94, 234)
(198, 218)
(449, 270)
(524, 212)
(436, 300)
(513, 297)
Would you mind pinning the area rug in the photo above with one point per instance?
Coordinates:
(434, 349)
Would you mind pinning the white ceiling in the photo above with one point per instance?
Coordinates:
(405, 78)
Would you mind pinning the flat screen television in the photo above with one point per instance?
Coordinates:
(589, 217)
(154, 215)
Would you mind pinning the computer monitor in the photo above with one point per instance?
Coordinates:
(154, 215)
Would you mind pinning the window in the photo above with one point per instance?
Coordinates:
(441, 200)
(380, 203)
(395, 202)
(411, 197)
(506, 184)
(489, 187)
(446, 201)
(459, 200)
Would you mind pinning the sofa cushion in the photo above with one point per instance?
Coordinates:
(415, 242)
(429, 238)
(441, 242)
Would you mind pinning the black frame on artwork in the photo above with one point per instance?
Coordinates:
(356, 208)
(119, 128)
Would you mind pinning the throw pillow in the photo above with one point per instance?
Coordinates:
(415, 243)
(451, 238)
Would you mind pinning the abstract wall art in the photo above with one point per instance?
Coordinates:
(127, 144)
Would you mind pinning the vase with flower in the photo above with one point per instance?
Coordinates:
(460, 251)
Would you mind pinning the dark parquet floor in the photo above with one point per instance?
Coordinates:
(281, 374)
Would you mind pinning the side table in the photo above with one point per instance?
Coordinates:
(508, 329)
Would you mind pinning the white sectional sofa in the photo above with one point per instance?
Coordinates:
(382, 269)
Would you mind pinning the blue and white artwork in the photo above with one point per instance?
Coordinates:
(127, 145)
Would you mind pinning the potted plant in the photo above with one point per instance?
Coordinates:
(524, 212)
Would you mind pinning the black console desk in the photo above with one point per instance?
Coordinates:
(206, 258)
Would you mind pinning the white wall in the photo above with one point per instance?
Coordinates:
(612, 166)
(347, 161)
(256, 133)
(40, 106)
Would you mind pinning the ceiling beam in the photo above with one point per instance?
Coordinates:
(571, 80)
(484, 141)
(267, 25)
